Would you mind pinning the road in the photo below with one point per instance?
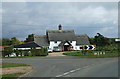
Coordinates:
(68, 66)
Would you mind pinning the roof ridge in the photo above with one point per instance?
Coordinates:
(40, 36)
(58, 31)
(81, 35)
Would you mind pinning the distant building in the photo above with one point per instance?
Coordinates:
(64, 40)
(117, 40)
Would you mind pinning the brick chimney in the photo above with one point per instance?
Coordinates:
(60, 27)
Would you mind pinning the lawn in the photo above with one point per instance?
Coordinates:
(91, 54)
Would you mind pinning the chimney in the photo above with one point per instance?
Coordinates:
(60, 27)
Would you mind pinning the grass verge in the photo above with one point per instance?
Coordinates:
(91, 55)
(4, 65)
(11, 76)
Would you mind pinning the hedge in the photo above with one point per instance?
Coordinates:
(29, 52)
(7, 51)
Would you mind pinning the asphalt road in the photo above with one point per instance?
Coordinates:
(67, 66)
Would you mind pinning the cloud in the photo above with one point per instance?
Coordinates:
(14, 1)
(25, 18)
(108, 31)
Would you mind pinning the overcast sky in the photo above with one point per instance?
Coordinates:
(22, 18)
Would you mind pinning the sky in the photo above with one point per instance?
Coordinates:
(19, 19)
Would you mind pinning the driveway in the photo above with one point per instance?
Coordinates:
(55, 54)
(69, 66)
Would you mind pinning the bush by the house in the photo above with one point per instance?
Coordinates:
(44, 52)
(16, 52)
(39, 52)
(7, 51)
(112, 47)
(33, 52)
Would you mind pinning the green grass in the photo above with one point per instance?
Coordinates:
(4, 65)
(11, 76)
(91, 55)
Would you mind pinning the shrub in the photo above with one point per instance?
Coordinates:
(39, 52)
(44, 52)
(107, 47)
(90, 52)
(16, 52)
(7, 51)
(28, 52)
(32, 52)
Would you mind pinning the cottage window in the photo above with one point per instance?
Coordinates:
(75, 47)
(55, 41)
(81, 47)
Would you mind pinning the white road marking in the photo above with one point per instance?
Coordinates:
(72, 71)
(59, 75)
(66, 73)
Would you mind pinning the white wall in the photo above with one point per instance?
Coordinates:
(21, 48)
(38, 47)
(73, 44)
(52, 44)
(26, 48)
(78, 47)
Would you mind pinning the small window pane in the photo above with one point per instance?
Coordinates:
(55, 41)
(81, 47)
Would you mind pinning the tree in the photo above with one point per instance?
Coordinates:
(0, 42)
(91, 40)
(100, 40)
(7, 51)
(112, 40)
(30, 38)
(14, 41)
(6, 42)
